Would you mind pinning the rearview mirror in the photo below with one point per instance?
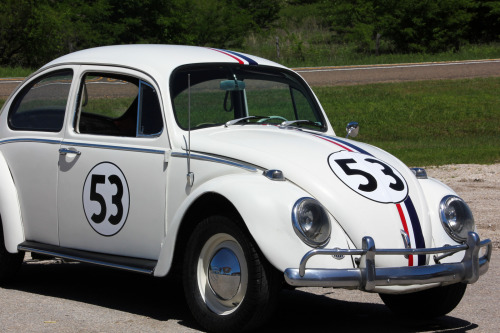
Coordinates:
(232, 85)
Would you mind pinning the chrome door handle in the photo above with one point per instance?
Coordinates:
(64, 151)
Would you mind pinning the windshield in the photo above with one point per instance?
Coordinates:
(218, 94)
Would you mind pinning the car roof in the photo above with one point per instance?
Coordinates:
(156, 57)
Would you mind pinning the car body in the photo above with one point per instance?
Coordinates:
(224, 168)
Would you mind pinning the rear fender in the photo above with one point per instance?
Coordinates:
(10, 211)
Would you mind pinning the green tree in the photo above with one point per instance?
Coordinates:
(33, 32)
(261, 12)
(428, 25)
(219, 23)
(13, 19)
(353, 21)
(412, 26)
(485, 25)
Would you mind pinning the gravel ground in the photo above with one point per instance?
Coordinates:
(479, 186)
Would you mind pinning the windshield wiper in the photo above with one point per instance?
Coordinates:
(303, 121)
(235, 121)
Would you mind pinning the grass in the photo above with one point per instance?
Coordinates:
(15, 72)
(304, 48)
(310, 46)
(422, 123)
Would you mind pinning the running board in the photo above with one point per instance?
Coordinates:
(138, 265)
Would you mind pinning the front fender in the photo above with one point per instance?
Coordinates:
(265, 207)
(10, 211)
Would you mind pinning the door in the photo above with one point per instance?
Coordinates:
(112, 174)
(30, 146)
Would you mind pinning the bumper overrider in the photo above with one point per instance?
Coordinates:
(369, 277)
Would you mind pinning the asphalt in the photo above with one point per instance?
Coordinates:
(73, 297)
(350, 75)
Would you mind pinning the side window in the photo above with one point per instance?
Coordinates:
(118, 105)
(150, 119)
(41, 105)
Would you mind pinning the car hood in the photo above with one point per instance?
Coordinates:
(368, 191)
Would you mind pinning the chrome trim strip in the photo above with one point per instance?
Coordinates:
(93, 145)
(369, 277)
(86, 260)
(216, 160)
(31, 140)
(88, 145)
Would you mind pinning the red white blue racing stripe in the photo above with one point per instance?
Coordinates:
(240, 58)
(406, 210)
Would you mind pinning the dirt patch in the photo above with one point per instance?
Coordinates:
(479, 186)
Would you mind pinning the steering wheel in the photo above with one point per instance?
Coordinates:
(271, 117)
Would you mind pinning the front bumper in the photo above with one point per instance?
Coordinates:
(369, 277)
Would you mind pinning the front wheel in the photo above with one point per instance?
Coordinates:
(428, 303)
(229, 286)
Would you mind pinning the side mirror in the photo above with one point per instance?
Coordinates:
(352, 129)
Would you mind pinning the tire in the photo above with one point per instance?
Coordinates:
(430, 303)
(10, 263)
(239, 293)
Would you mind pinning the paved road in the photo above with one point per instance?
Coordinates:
(73, 297)
(349, 75)
(7, 85)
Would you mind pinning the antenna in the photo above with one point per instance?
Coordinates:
(190, 175)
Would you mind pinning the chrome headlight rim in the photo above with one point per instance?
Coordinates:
(467, 225)
(300, 230)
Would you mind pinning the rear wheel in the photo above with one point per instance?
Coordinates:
(428, 303)
(9, 262)
(229, 285)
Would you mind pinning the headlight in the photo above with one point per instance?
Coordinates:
(311, 222)
(456, 217)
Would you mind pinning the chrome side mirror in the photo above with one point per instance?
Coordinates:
(352, 129)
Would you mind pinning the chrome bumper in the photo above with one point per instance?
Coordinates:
(369, 277)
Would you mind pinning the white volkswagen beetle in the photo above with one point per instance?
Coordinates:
(222, 167)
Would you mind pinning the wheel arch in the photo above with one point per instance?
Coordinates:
(260, 206)
(208, 204)
(10, 211)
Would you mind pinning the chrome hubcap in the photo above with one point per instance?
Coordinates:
(224, 274)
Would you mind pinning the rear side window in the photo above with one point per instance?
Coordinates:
(42, 104)
(118, 105)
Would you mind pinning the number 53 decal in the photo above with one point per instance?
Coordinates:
(106, 199)
(369, 176)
